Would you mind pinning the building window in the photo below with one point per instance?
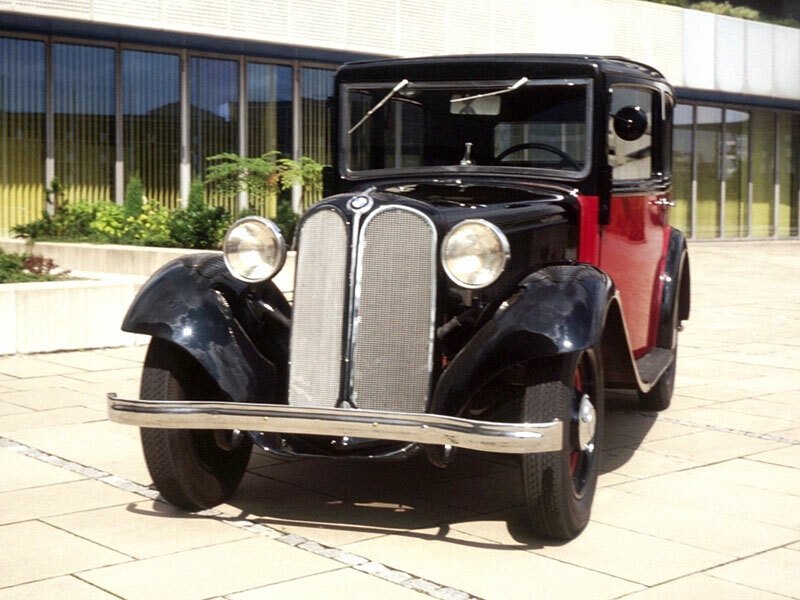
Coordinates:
(682, 134)
(707, 168)
(763, 173)
(269, 109)
(152, 122)
(84, 120)
(316, 90)
(788, 176)
(22, 130)
(214, 99)
(735, 152)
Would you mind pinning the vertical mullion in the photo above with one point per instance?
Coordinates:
(693, 175)
(721, 173)
(186, 165)
(776, 182)
(243, 120)
(119, 170)
(49, 118)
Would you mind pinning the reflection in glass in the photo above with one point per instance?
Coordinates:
(214, 98)
(734, 165)
(631, 159)
(269, 113)
(84, 107)
(680, 216)
(788, 157)
(707, 149)
(763, 173)
(151, 122)
(316, 89)
(22, 135)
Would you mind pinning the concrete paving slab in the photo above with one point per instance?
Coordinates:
(690, 525)
(42, 551)
(703, 586)
(49, 398)
(24, 367)
(89, 360)
(487, 569)
(788, 456)
(633, 556)
(63, 498)
(58, 587)
(9, 408)
(13, 425)
(145, 529)
(711, 446)
(335, 585)
(781, 565)
(693, 488)
(731, 419)
(21, 472)
(219, 569)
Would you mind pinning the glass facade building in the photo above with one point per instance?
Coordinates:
(91, 113)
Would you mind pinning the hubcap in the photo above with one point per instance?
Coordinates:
(586, 424)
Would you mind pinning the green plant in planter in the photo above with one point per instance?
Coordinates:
(134, 197)
(20, 268)
(305, 172)
(198, 225)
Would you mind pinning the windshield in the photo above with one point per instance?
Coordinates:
(467, 127)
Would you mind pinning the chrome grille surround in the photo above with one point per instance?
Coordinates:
(318, 314)
(394, 303)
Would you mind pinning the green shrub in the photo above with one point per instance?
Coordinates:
(198, 225)
(286, 219)
(71, 222)
(134, 197)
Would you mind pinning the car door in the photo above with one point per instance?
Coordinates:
(632, 245)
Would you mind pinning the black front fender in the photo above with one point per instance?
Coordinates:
(194, 303)
(557, 310)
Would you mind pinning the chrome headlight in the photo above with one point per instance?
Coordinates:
(474, 253)
(254, 249)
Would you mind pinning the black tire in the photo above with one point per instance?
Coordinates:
(193, 469)
(559, 486)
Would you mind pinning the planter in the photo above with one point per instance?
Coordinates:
(67, 315)
(70, 315)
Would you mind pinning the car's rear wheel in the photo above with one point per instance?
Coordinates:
(559, 486)
(193, 469)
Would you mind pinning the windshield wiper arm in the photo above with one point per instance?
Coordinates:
(510, 88)
(383, 101)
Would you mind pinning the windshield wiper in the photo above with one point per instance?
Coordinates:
(383, 101)
(510, 88)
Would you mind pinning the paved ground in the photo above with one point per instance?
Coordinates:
(702, 500)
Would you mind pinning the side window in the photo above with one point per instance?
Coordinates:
(630, 159)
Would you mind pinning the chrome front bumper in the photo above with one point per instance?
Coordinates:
(512, 438)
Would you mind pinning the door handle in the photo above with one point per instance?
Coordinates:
(663, 202)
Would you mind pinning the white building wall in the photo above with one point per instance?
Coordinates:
(692, 48)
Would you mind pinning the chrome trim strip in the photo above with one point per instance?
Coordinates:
(424, 428)
(356, 297)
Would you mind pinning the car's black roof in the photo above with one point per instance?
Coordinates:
(482, 66)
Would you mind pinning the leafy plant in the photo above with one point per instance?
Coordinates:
(305, 172)
(286, 219)
(71, 222)
(198, 225)
(19, 268)
(230, 173)
(55, 194)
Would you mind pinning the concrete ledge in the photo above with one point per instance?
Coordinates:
(67, 315)
(99, 258)
(121, 260)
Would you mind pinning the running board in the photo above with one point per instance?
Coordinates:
(653, 364)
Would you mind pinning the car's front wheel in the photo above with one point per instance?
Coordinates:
(559, 486)
(193, 469)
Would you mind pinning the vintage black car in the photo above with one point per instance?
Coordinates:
(493, 254)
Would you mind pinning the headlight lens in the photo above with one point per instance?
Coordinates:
(254, 249)
(474, 253)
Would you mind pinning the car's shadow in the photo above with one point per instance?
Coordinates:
(478, 494)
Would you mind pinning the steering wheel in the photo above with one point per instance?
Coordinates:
(565, 158)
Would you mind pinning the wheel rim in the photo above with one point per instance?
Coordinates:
(582, 430)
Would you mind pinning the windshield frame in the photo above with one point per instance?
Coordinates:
(457, 169)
